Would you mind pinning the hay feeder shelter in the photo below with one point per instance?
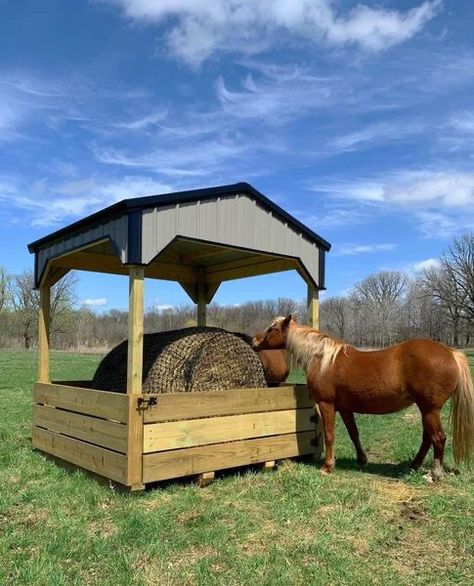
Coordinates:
(198, 238)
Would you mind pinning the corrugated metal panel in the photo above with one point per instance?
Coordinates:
(234, 221)
(115, 230)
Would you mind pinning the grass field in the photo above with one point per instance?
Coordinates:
(383, 525)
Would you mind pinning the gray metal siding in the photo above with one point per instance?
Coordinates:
(234, 221)
(116, 230)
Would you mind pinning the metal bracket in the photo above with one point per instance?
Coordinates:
(145, 403)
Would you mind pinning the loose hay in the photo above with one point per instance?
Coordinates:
(188, 360)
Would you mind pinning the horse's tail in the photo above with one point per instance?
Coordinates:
(462, 412)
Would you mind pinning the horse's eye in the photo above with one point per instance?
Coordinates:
(270, 329)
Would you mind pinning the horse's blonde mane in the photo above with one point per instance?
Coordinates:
(305, 344)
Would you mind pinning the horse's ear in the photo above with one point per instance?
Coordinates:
(286, 321)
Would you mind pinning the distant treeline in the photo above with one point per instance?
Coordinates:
(384, 308)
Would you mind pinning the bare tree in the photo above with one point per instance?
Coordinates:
(377, 300)
(442, 286)
(4, 287)
(26, 303)
(334, 316)
(459, 259)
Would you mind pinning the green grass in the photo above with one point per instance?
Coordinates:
(383, 525)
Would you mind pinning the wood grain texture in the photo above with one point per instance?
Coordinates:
(177, 406)
(112, 406)
(312, 315)
(43, 332)
(96, 431)
(135, 331)
(190, 461)
(99, 460)
(214, 430)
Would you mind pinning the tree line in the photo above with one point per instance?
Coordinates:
(384, 308)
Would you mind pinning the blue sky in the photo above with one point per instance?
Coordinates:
(356, 118)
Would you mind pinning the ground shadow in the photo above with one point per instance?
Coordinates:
(389, 470)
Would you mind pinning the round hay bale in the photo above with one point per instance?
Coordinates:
(188, 360)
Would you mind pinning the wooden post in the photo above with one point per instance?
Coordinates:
(135, 331)
(312, 314)
(43, 332)
(201, 305)
(134, 378)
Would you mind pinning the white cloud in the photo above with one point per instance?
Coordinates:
(415, 189)
(163, 307)
(462, 121)
(354, 249)
(423, 265)
(143, 123)
(181, 159)
(99, 302)
(367, 136)
(201, 28)
(441, 202)
(49, 203)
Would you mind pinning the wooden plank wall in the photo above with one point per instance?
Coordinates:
(183, 434)
(187, 434)
(85, 427)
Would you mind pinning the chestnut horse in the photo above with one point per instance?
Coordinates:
(342, 378)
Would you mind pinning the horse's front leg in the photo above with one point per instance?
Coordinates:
(351, 426)
(328, 415)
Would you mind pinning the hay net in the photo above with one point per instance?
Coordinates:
(187, 360)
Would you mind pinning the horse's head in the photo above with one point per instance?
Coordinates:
(274, 336)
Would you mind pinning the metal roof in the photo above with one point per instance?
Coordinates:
(199, 236)
(140, 203)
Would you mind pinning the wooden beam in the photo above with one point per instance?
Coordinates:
(107, 263)
(134, 378)
(312, 314)
(262, 268)
(43, 333)
(201, 304)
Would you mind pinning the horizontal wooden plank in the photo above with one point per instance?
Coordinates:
(158, 437)
(98, 460)
(107, 434)
(189, 461)
(178, 406)
(113, 406)
(84, 384)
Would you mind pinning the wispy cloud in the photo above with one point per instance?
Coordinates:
(49, 203)
(145, 122)
(350, 249)
(203, 28)
(99, 302)
(441, 202)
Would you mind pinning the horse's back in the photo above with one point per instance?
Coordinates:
(390, 379)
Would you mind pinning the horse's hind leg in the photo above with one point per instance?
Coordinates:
(425, 446)
(351, 426)
(434, 428)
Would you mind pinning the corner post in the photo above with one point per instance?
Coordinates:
(134, 377)
(43, 332)
(201, 304)
(312, 313)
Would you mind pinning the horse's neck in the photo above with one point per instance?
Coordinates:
(302, 345)
(309, 346)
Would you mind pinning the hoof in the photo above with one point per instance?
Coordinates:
(437, 473)
(325, 470)
(362, 462)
